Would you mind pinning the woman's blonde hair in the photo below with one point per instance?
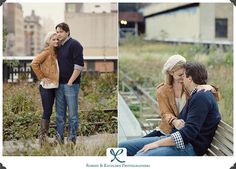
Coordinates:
(174, 63)
(48, 37)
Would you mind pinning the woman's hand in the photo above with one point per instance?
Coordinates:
(178, 123)
(148, 147)
(46, 81)
(205, 88)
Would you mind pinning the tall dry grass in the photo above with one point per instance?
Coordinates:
(143, 61)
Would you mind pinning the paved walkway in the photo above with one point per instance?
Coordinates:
(91, 142)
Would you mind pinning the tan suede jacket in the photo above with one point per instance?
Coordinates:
(168, 108)
(44, 65)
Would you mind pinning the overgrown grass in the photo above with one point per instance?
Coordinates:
(143, 62)
(22, 108)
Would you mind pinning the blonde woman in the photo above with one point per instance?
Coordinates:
(46, 69)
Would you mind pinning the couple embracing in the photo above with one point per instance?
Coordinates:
(189, 113)
(59, 67)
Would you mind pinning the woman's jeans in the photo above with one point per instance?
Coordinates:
(67, 99)
(47, 97)
(134, 145)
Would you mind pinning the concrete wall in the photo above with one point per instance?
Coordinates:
(19, 32)
(159, 7)
(178, 25)
(225, 10)
(188, 24)
(14, 22)
(97, 7)
(207, 22)
(96, 32)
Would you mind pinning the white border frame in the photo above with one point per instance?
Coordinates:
(80, 162)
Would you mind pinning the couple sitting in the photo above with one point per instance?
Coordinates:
(190, 132)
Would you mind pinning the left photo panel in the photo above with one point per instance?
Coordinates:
(59, 79)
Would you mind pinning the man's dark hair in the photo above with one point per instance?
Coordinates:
(197, 71)
(64, 26)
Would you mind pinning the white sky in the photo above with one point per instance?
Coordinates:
(55, 11)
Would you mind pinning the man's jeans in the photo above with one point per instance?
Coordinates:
(67, 97)
(134, 145)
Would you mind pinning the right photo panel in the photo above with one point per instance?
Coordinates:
(176, 79)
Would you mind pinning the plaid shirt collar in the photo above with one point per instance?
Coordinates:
(193, 91)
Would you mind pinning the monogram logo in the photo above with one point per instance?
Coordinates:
(233, 1)
(2, 1)
(115, 153)
(1, 166)
(233, 167)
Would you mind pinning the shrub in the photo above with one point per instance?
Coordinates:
(22, 108)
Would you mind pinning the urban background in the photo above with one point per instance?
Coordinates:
(24, 28)
(149, 33)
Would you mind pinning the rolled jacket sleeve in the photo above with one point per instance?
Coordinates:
(78, 67)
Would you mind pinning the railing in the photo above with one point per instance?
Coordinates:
(134, 94)
(17, 68)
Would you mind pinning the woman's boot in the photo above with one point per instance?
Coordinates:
(44, 127)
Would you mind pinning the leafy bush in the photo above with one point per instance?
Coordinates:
(20, 126)
(20, 102)
(22, 110)
(105, 122)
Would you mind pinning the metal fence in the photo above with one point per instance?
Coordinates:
(17, 68)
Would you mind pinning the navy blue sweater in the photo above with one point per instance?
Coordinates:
(69, 54)
(201, 116)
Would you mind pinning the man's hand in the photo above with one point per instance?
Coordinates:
(69, 83)
(148, 147)
(178, 123)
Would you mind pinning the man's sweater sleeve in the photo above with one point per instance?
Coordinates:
(198, 109)
(78, 55)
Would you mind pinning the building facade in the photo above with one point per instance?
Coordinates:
(131, 20)
(13, 23)
(33, 35)
(189, 22)
(95, 27)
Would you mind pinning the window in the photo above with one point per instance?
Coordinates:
(221, 28)
(71, 8)
(90, 65)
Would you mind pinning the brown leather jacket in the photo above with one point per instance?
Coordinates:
(44, 65)
(168, 108)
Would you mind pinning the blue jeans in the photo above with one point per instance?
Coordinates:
(67, 98)
(134, 145)
(47, 97)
